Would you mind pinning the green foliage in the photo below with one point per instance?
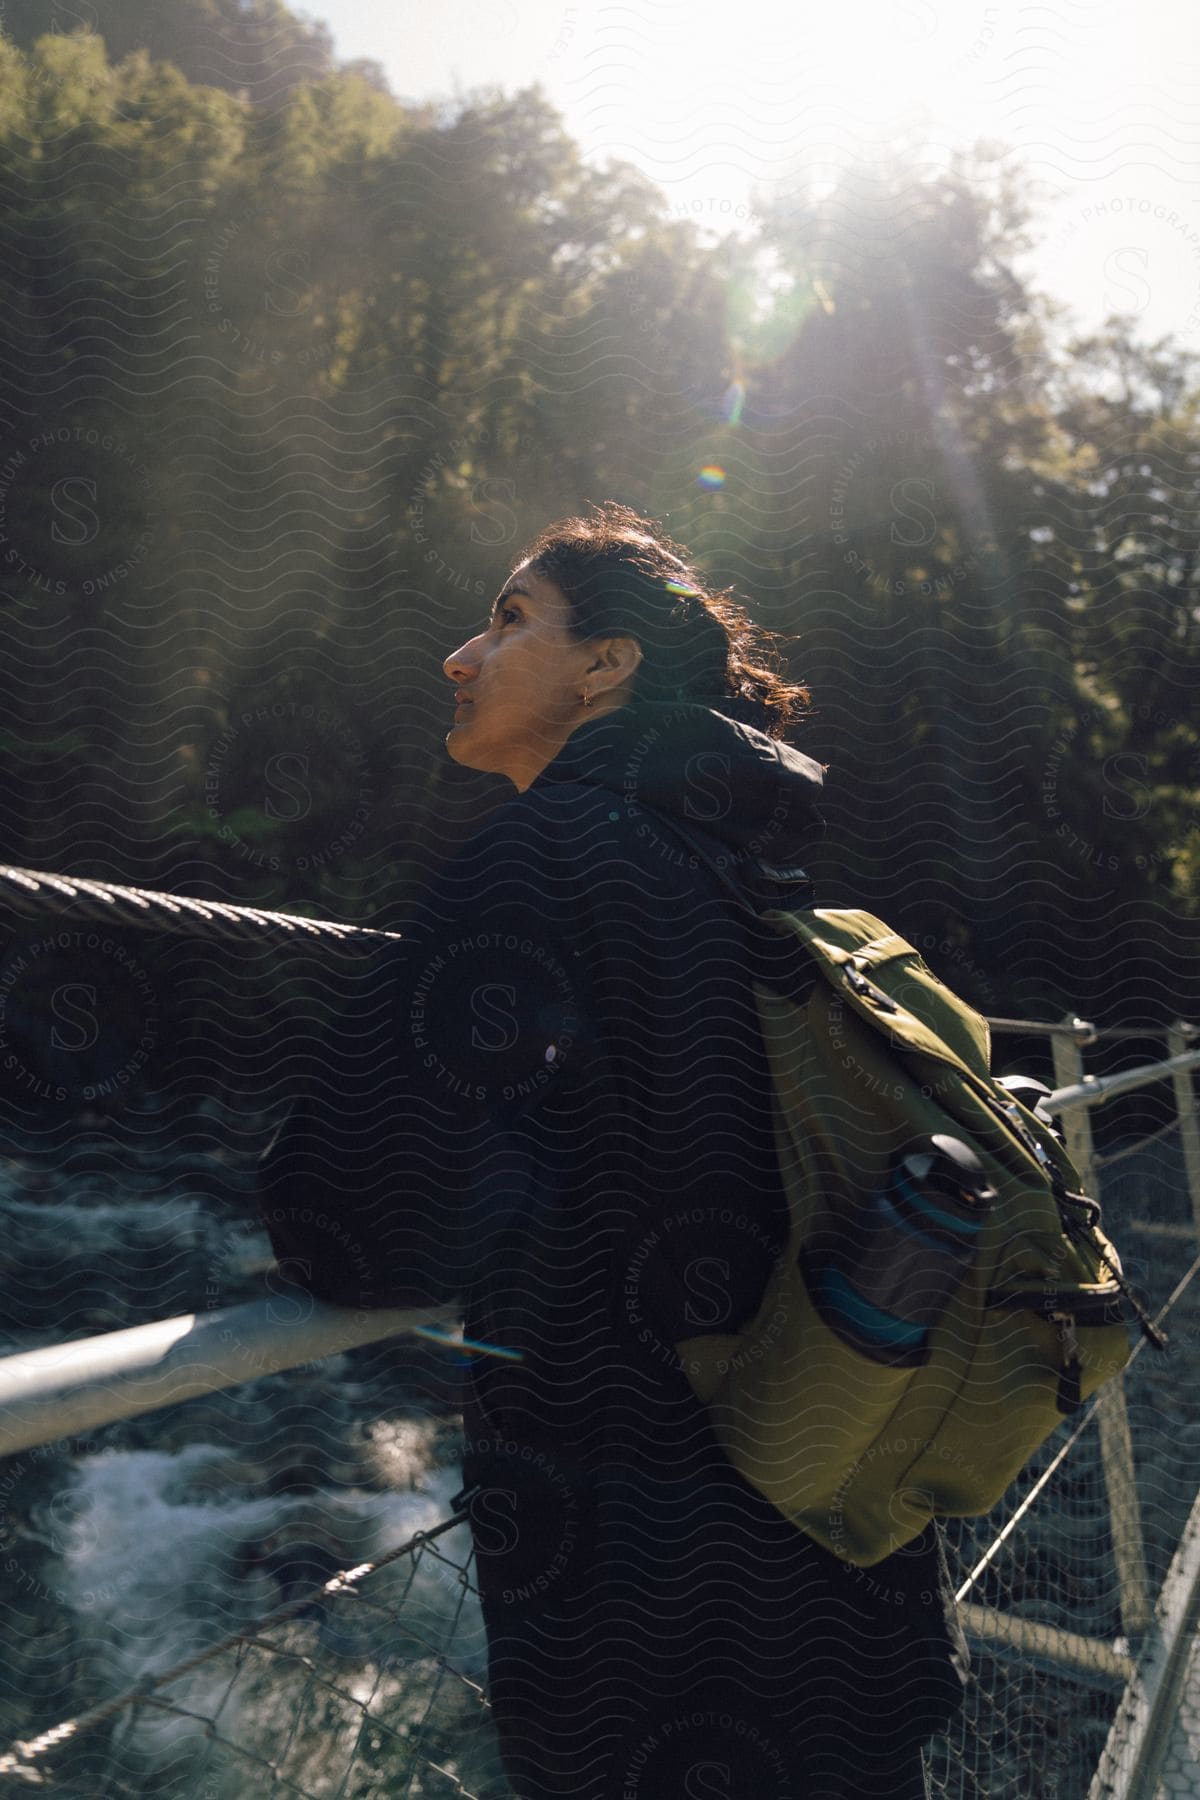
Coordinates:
(253, 48)
(289, 370)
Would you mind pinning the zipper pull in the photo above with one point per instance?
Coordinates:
(1070, 1397)
(854, 978)
(1074, 1227)
(1150, 1330)
(1026, 1136)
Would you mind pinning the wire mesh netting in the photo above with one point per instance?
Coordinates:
(370, 1684)
(1048, 1674)
(1178, 1770)
(1078, 1561)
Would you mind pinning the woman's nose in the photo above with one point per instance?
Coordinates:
(462, 664)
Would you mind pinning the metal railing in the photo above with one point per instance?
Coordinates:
(63, 1390)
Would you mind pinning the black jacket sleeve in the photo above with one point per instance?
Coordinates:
(372, 1191)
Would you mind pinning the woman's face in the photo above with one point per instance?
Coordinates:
(521, 681)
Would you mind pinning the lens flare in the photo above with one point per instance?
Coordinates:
(711, 476)
(435, 1335)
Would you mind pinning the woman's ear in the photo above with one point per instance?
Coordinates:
(616, 660)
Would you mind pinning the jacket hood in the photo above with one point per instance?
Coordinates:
(709, 769)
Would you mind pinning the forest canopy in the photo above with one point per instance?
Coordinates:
(291, 369)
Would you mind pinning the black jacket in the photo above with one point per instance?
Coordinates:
(555, 1103)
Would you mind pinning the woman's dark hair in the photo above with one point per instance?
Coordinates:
(623, 577)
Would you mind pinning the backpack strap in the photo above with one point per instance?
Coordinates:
(790, 877)
(796, 985)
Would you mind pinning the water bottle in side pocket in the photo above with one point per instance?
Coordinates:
(885, 1279)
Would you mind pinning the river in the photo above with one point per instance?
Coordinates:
(127, 1552)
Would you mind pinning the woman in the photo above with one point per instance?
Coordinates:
(556, 1107)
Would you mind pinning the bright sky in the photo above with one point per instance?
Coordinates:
(1098, 99)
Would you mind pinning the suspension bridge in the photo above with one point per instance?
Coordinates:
(1080, 1593)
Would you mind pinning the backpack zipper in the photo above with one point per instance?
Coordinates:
(1083, 1235)
(1091, 1308)
(1070, 1205)
(1100, 1305)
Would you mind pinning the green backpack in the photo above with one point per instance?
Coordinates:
(946, 1297)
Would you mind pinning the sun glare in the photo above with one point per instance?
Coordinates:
(788, 80)
(733, 110)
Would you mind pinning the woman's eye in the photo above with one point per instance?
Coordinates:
(508, 613)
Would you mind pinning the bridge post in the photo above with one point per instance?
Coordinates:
(1180, 1039)
(1112, 1415)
